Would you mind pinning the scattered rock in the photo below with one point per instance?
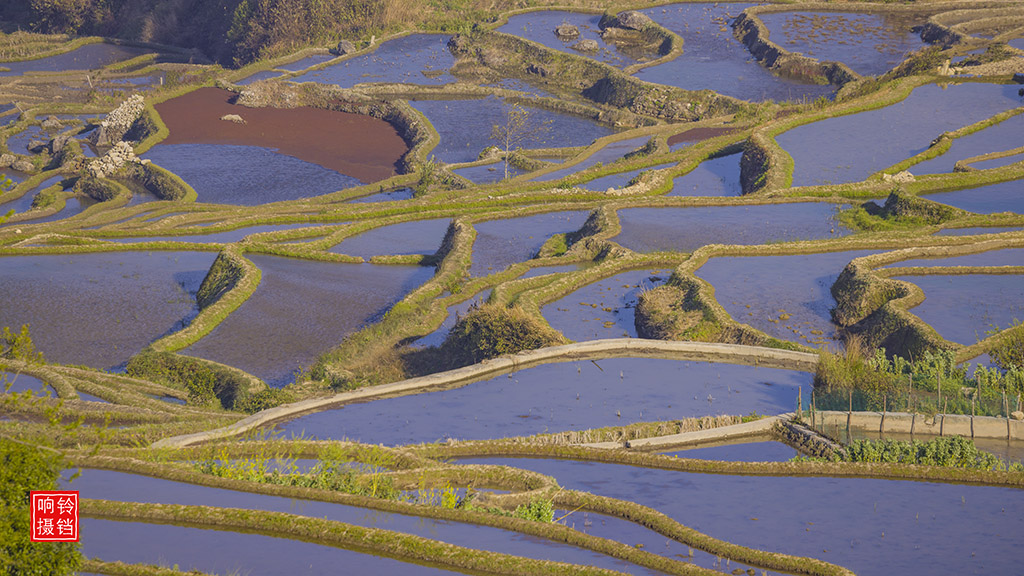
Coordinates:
(35, 146)
(115, 158)
(1019, 77)
(51, 123)
(233, 118)
(567, 31)
(117, 123)
(1018, 415)
(489, 152)
(631, 20)
(59, 141)
(586, 46)
(899, 178)
(23, 166)
(538, 70)
(7, 159)
(344, 47)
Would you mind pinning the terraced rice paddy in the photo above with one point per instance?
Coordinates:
(373, 307)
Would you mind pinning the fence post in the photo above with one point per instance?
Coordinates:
(972, 416)
(849, 417)
(1006, 409)
(910, 395)
(881, 423)
(814, 408)
(938, 385)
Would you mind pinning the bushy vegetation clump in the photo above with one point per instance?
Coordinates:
(1008, 354)
(488, 331)
(333, 472)
(537, 510)
(18, 345)
(23, 468)
(205, 382)
(949, 451)
(930, 384)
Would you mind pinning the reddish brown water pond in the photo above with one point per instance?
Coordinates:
(359, 146)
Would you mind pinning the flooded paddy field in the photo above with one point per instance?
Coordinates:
(386, 196)
(488, 173)
(125, 487)
(19, 383)
(686, 229)
(222, 552)
(24, 203)
(962, 308)
(1003, 136)
(605, 155)
(67, 299)
(870, 44)
(258, 175)
(540, 27)
(416, 237)
(991, 199)
(909, 126)
(620, 180)
(714, 177)
(972, 231)
(226, 237)
(465, 127)
(713, 59)
(72, 207)
(1002, 257)
(501, 243)
(195, 119)
(620, 530)
(788, 297)
(871, 527)
(603, 309)
(412, 59)
(301, 309)
(611, 392)
(88, 57)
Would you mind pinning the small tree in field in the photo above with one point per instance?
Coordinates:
(519, 127)
(5, 185)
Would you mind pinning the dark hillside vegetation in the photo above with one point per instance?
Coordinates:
(236, 32)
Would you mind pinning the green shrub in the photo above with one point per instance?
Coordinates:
(24, 468)
(19, 346)
(205, 382)
(1008, 354)
(949, 451)
(491, 330)
(538, 510)
(262, 400)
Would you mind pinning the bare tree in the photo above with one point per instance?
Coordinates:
(519, 127)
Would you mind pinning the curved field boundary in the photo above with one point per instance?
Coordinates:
(336, 534)
(944, 142)
(871, 303)
(612, 348)
(525, 485)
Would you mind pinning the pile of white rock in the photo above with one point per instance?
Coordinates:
(119, 121)
(115, 158)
